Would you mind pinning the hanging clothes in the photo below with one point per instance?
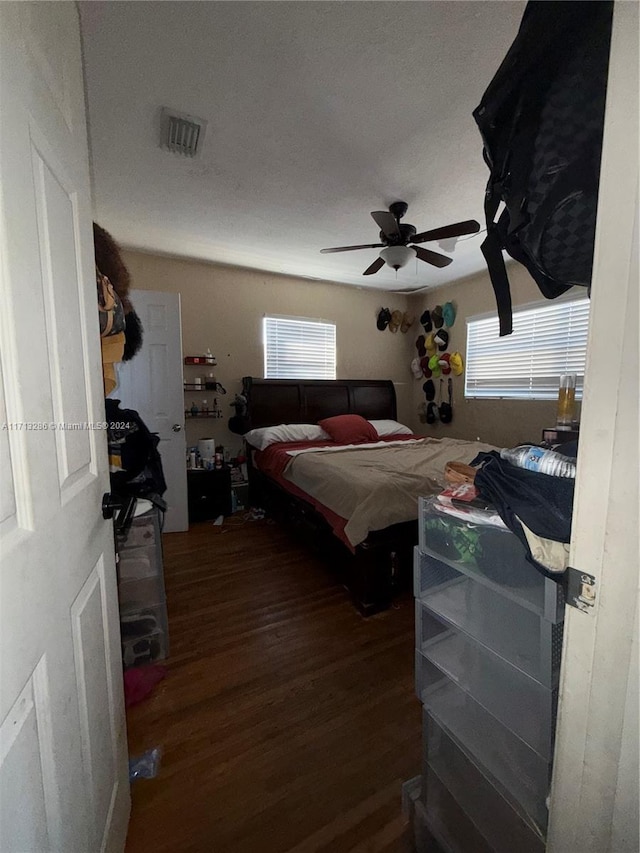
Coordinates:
(112, 330)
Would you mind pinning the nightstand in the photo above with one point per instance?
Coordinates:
(209, 493)
(553, 435)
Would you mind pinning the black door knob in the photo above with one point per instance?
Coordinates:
(124, 506)
(109, 505)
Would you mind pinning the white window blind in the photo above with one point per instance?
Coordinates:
(297, 348)
(548, 339)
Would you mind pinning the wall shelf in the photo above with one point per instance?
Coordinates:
(200, 361)
(190, 386)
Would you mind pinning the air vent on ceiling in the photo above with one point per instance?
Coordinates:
(181, 133)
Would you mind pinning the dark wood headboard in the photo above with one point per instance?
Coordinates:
(306, 401)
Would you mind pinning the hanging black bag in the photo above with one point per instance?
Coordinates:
(541, 120)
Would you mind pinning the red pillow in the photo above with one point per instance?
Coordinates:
(349, 429)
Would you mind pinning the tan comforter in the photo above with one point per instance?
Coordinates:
(375, 486)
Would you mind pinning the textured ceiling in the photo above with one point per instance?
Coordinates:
(318, 113)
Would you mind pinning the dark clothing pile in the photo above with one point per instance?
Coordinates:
(134, 460)
(543, 503)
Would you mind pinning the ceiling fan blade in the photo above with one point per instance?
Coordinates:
(375, 266)
(386, 222)
(457, 229)
(350, 248)
(434, 258)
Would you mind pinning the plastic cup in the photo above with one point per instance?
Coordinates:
(566, 401)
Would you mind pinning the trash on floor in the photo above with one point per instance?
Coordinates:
(145, 766)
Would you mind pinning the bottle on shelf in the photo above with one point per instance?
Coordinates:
(210, 382)
(194, 410)
(540, 460)
(205, 408)
(209, 357)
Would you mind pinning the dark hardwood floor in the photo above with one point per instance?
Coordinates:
(287, 721)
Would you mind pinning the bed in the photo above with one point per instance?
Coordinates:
(357, 506)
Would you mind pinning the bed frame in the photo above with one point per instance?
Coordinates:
(382, 563)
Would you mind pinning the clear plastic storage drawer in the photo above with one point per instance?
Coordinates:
(479, 796)
(136, 563)
(430, 575)
(144, 635)
(138, 594)
(497, 561)
(515, 634)
(501, 753)
(441, 816)
(142, 531)
(139, 651)
(523, 705)
(143, 621)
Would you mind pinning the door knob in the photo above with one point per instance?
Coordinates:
(176, 427)
(122, 507)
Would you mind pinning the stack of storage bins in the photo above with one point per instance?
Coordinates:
(143, 609)
(488, 648)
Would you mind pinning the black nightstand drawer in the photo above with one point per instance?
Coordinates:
(553, 435)
(209, 494)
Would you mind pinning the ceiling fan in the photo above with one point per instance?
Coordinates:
(396, 239)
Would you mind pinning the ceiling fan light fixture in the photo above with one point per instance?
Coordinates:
(398, 256)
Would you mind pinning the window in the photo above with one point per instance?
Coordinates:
(548, 339)
(298, 348)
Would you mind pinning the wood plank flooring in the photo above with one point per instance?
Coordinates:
(287, 721)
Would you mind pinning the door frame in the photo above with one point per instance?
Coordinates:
(594, 802)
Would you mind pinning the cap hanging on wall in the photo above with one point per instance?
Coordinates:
(441, 338)
(416, 368)
(449, 314)
(456, 362)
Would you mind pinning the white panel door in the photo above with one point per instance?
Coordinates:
(63, 754)
(151, 383)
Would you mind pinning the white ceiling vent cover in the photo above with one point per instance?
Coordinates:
(181, 133)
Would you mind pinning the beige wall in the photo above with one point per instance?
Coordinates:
(223, 307)
(501, 422)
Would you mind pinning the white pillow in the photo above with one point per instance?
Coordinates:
(263, 437)
(384, 428)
